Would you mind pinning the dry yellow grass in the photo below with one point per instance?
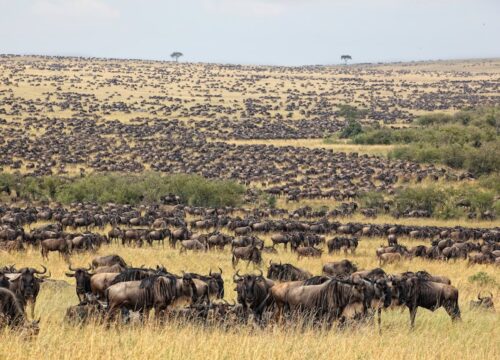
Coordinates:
(435, 337)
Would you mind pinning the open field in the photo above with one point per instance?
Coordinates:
(71, 127)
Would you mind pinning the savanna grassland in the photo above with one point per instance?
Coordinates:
(273, 130)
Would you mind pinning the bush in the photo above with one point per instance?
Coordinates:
(484, 160)
(353, 128)
(420, 198)
(372, 199)
(482, 279)
(130, 189)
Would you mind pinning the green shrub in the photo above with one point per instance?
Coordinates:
(484, 160)
(420, 198)
(482, 279)
(372, 199)
(353, 128)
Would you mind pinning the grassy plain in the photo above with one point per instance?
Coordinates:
(476, 337)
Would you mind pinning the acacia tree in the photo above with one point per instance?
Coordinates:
(176, 55)
(345, 58)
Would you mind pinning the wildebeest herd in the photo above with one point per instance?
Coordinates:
(109, 288)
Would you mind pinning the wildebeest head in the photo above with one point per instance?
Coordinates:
(484, 302)
(274, 270)
(219, 282)
(29, 283)
(82, 278)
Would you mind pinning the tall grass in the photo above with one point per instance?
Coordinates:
(476, 337)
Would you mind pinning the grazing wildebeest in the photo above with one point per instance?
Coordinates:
(417, 291)
(192, 245)
(250, 253)
(324, 302)
(82, 278)
(483, 302)
(108, 260)
(12, 314)
(61, 245)
(339, 268)
(26, 286)
(286, 272)
(308, 251)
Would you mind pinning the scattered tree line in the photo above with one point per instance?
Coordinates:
(124, 188)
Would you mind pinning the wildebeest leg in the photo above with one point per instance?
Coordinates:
(379, 320)
(453, 311)
(413, 314)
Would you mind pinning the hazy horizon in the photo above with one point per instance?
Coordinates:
(254, 32)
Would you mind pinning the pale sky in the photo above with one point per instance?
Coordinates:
(276, 32)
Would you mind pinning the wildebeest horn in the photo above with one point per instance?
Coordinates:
(71, 268)
(70, 274)
(40, 272)
(236, 276)
(220, 270)
(261, 273)
(45, 276)
(270, 262)
(210, 272)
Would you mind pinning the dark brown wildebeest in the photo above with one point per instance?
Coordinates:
(157, 291)
(250, 253)
(339, 268)
(12, 314)
(214, 282)
(425, 275)
(253, 292)
(324, 302)
(485, 302)
(108, 260)
(286, 272)
(415, 292)
(84, 313)
(179, 234)
(26, 286)
(61, 245)
(82, 279)
(308, 251)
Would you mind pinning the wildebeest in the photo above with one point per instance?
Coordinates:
(483, 302)
(286, 272)
(417, 291)
(100, 282)
(324, 302)
(108, 260)
(339, 268)
(308, 251)
(87, 311)
(157, 291)
(250, 253)
(61, 245)
(195, 245)
(389, 258)
(26, 285)
(253, 293)
(214, 282)
(12, 314)
(82, 278)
